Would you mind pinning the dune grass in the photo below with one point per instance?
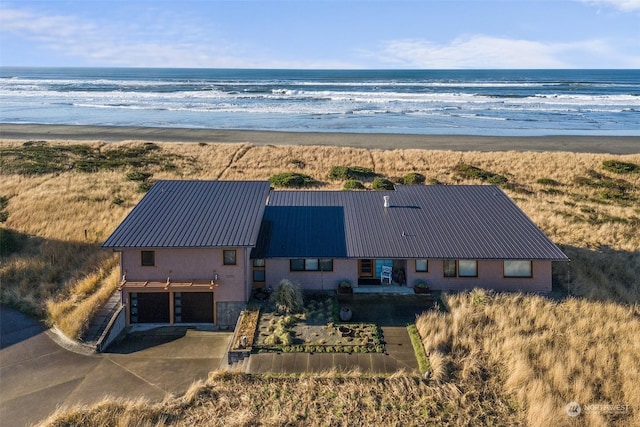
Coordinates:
(540, 354)
(331, 398)
(506, 359)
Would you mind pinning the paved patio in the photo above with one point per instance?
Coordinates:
(391, 312)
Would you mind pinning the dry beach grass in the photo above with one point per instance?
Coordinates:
(495, 359)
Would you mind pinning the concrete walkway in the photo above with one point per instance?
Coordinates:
(37, 374)
(101, 320)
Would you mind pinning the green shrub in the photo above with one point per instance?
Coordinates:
(382, 184)
(353, 184)
(548, 181)
(467, 171)
(496, 179)
(351, 172)
(287, 297)
(413, 178)
(144, 186)
(138, 176)
(434, 181)
(4, 202)
(617, 166)
(292, 180)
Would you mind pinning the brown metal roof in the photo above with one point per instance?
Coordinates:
(440, 221)
(194, 214)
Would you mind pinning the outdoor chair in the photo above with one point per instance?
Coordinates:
(385, 274)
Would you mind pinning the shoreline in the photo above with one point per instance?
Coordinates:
(578, 144)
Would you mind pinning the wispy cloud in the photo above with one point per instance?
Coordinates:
(41, 27)
(623, 5)
(121, 45)
(481, 51)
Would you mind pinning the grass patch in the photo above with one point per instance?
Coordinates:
(617, 166)
(89, 295)
(548, 182)
(418, 348)
(38, 157)
(609, 189)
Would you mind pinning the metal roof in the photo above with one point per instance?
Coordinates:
(194, 214)
(438, 221)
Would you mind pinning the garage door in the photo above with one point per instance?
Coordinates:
(149, 307)
(193, 307)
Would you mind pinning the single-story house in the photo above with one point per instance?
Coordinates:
(192, 251)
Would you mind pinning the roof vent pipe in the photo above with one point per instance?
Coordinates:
(386, 201)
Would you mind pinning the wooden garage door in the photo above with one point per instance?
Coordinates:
(149, 307)
(193, 307)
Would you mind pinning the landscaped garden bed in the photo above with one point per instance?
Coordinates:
(315, 330)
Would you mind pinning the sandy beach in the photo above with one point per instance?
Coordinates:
(578, 144)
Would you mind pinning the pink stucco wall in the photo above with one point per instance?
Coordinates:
(235, 281)
(185, 264)
(490, 276)
(278, 269)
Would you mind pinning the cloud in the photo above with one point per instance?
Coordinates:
(481, 51)
(623, 5)
(168, 43)
(39, 27)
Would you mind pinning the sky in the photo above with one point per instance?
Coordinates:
(330, 34)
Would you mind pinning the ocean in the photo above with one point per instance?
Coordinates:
(428, 102)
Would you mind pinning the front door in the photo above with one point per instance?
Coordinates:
(366, 268)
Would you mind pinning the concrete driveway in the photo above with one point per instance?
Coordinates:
(38, 374)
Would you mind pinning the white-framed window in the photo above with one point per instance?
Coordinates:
(517, 268)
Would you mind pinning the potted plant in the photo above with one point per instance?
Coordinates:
(421, 288)
(344, 287)
(345, 313)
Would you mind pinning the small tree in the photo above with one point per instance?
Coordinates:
(287, 297)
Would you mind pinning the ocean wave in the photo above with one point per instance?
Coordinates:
(407, 101)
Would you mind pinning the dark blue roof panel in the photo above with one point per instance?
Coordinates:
(194, 214)
(302, 231)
